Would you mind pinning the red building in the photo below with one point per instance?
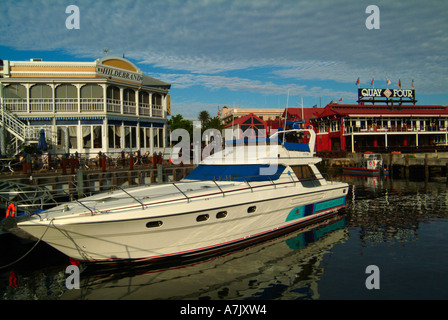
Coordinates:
(383, 121)
(360, 127)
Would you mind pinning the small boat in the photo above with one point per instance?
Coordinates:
(371, 166)
(241, 194)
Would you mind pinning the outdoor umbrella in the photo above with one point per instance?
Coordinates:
(42, 143)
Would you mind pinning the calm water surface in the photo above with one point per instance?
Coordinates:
(399, 226)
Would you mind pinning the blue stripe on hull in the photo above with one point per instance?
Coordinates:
(310, 209)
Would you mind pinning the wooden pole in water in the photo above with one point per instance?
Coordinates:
(426, 167)
(391, 172)
(159, 173)
(80, 184)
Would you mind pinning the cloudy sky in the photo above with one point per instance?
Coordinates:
(245, 53)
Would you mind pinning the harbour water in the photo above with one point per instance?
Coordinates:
(398, 226)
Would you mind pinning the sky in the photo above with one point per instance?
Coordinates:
(245, 53)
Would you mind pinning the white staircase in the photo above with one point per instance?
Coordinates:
(23, 134)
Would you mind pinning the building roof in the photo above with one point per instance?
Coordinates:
(153, 82)
(308, 113)
(245, 119)
(382, 110)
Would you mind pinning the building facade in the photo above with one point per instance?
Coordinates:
(227, 114)
(249, 126)
(357, 128)
(384, 120)
(106, 106)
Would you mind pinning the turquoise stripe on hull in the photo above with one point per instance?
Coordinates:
(310, 209)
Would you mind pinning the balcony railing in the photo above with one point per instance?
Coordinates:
(129, 107)
(92, 104)
(15, 105)
(88, 105)
(409, 129)
(66, 104)
(41, 105)
(113, 105)
(157, 111)
(144, 109)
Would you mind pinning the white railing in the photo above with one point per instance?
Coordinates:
(66, 104)
(92, 104)
(157, 111)
(113, 105)
(15, 105)
(19, 129)
(129, 107)
(87, 105)
(144, 109)
(41, 105)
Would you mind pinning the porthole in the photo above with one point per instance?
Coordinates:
(221, 214)
(251, 209)
(202, 217)
(154, 224)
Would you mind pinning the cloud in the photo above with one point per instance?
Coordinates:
(214, 41)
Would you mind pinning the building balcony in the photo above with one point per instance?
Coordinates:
(81, 105)
(393, 129)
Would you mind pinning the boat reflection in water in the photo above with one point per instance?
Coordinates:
(286, 267)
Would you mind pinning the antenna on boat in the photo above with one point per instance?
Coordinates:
(302, 110)
(286, 115)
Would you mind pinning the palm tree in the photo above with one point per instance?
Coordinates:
(204, 116)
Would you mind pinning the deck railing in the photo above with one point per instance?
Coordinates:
(18, 105)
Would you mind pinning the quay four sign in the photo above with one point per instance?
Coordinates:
(120, 74)
(386, 93)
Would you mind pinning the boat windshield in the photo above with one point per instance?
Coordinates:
(239, 172)
(294, 140)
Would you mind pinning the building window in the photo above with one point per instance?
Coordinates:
(142, 137)
(92, 137)
(91, 91)
(41, 91)
(113, 93)
(148, 137)
(97, 137)
(158, 137)
(66, 91)
(86, 137)
(16, 91)
(72, 137)
(130, 137)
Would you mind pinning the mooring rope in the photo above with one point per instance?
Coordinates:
(29, 251)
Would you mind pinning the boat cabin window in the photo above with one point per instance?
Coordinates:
(221, 214)
(202, 217)
(306, 176)
(154, 224)
(295, 141)
(239, 172)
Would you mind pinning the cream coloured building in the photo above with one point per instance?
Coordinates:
(107, 105)
(266, 114)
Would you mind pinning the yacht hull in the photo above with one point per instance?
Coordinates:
(229, 221)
